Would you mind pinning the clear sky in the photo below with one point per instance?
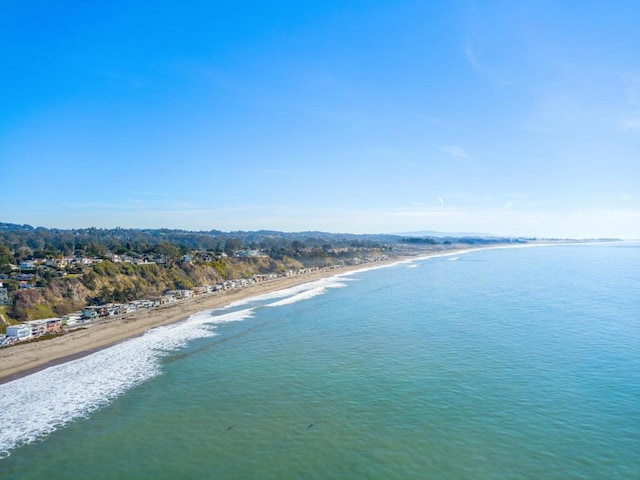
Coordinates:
(504, 117)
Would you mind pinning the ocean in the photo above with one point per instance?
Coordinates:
(517, 363)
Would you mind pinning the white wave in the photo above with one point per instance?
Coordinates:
(271, 295)
(375, 267)
(453, 259)
(412, 265)
(450, 254)
(34, 406)
(335, 281)
(312, 289)
(301, 296)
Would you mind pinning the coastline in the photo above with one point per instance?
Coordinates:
(22, 360)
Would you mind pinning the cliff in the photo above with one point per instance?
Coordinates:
(117, 282)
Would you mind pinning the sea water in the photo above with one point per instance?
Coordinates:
(494, 364)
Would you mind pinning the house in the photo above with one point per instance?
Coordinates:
(95, 311)
(53, 325)
(38, 327)
(4, 296)
(89, 313)
(44, 326)
(144, 262)
(149, 303)
(19, 332)
(113, 309)
(87, 261)
(56, 262)
(71, 319)
(248, 253)
(166, 298)
(178, 294)
(27, 265)
(134, 305)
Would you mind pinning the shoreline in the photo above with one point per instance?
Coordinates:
(22, 360)
(25, 359)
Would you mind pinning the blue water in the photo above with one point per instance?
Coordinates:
(495, 364)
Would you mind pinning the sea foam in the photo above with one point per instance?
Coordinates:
(34, 406)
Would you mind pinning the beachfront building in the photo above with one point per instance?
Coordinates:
(44, 326)
(135, 305)
(178, 294)
(19, 332)
(54, 325)
(71, 319)
(166, 298)
(38, 327)
(95, 311)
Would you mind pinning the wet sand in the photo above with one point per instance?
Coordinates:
(23, 359)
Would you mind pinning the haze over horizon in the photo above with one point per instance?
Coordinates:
(514, 118)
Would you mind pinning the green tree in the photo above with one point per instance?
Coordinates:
(6, 257)
(231, 245)
(36, 243)
(97, 250)
(168, 251)
(23, 253)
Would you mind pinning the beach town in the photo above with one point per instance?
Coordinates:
(36, 344)
(35, 329)
(118, 284)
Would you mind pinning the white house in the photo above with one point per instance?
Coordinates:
(72, 318)
(38, 327)
(179, 293)
(21, 332)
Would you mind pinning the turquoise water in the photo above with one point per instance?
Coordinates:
(495, 364)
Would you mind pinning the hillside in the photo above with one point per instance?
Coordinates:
(107, 282)
(52, 272)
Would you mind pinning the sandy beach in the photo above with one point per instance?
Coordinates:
(23, 359)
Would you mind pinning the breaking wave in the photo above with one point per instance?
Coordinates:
(34, 406)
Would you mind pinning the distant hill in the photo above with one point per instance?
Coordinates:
(25, 241)
(13, 227)
(431, 233)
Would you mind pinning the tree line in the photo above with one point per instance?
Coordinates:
(23, 242)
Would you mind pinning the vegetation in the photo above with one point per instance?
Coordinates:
(94, 266)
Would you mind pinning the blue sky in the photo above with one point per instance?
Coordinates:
(514, 118)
